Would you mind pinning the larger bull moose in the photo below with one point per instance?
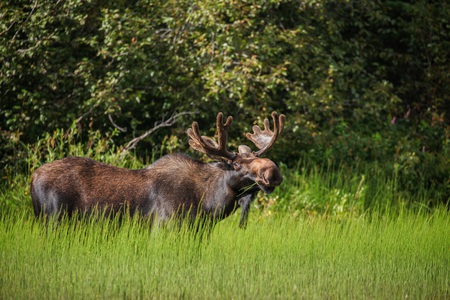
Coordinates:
(175, 185)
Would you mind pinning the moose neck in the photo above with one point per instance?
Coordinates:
(224, 189)
(236, 182)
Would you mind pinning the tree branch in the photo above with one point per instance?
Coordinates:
(84, 115)
(160, 124)
(26, 20)
(122, 129)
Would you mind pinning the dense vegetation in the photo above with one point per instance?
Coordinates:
(360, 81)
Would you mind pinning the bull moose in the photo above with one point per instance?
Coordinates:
(174, 185)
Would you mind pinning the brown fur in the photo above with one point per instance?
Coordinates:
(174, 184)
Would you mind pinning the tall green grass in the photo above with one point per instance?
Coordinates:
(376, 256)
(343, 192)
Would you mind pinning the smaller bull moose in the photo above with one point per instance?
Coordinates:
(175, 185)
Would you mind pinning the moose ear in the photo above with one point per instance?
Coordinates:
(244, 150)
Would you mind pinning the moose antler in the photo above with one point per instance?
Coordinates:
(208, 145)
(264, 140)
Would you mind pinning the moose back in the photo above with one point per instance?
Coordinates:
(175, 185)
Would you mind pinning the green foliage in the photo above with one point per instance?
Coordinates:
(359, 81)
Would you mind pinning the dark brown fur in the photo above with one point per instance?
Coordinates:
(173, 184)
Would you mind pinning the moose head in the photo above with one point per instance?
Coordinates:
(249, 163)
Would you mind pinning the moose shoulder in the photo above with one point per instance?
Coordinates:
(173, 185)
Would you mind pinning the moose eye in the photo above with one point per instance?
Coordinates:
(236, 165)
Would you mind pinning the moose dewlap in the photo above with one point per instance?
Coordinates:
(175, 185)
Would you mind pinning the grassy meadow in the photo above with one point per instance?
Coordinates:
(378, 256)
(292, 249)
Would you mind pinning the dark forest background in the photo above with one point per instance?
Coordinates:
(362, 83)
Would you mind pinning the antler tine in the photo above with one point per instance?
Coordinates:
(208, 145)
(222, 130)
(264, 140)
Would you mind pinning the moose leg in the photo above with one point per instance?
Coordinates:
(244, 202)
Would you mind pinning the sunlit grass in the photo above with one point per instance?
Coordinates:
(282, 257)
